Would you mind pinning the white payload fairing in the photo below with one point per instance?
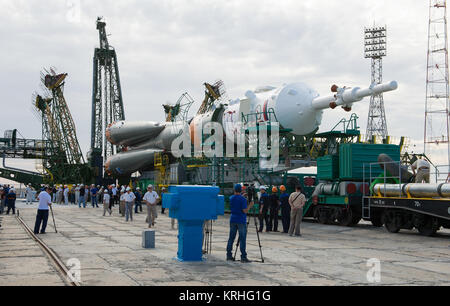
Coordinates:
(296, 107)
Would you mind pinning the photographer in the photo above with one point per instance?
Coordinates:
(238, 222)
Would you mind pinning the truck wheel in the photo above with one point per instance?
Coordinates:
(322, 216)
(429, 227)
(345, 217)
(355, 219)
(376, 221)
(391, 221)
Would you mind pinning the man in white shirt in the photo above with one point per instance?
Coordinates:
(106, 204)
(129, 198)
(150, 199)
(297, 201)
(77, 193)
(42, 214)
(423, 170)
(66, 195)
(29, 194)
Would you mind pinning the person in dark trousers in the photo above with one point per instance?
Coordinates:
(251, 193)
(82, 198)
(11, 201)
(42, 214)
(264, 205)
(94, 190)
(285, 209)
(2, 200)
(163, 190)
(274, 210)
(138, 200)
(111, 198)
(238, 222)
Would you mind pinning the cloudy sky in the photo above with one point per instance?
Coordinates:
(168, 47)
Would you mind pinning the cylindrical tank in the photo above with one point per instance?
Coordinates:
(415, 190)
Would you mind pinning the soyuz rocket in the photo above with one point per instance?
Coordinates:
(296, 107)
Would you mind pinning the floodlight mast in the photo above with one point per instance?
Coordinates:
(375, 48)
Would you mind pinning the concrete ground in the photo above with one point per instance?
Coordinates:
(109, 250)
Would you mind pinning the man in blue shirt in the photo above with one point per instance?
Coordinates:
(285, 209)
(238, 222)
(11, 201)
(94, 191)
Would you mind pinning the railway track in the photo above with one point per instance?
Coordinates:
(60, 266)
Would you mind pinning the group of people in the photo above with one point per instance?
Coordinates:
(130, 200)
(242, 202)
(7, 199)
(127, 199)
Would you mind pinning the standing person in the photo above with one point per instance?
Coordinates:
(59, 195)
(122, 204)
(72, 195)
(87, 194)
(423, 170)
(129, 203)
(99, 193)
(111, 198)
(264, 204)
(53, 193)
(2, 200)
(274, 209)
(138, 195)
(297, 201)
(29, 194)
(11, 201)
(94, 192)
(66, 194)
(115, 195)
(285, 209)
(150, 199)
(42, 214)
(107, 204)
(238, 222)
(163, 190)
(82, 199)
(77, 194)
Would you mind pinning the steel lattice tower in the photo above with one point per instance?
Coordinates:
(107, 103)
(437, 92)
(375, 49)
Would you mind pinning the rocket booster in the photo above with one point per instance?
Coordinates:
(125, 163)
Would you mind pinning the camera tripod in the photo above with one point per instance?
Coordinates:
(207, 236)
(259, 241)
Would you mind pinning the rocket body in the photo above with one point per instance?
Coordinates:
(295, 106)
